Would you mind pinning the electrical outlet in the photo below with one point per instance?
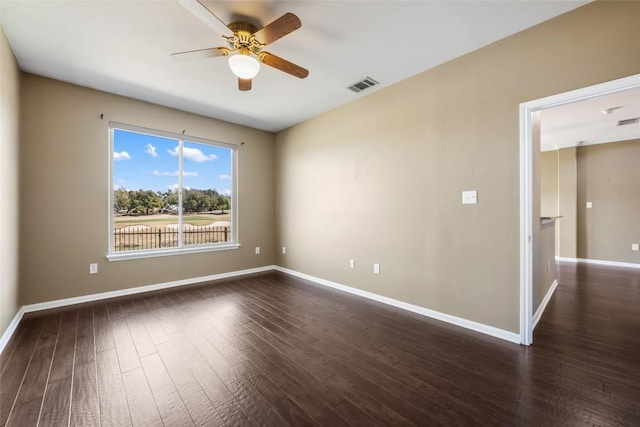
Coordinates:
(257, 250)
(469, 197)
(352, 263)
(93, 268)
(635, 246)
(589, 205)
(376, 268)
(284, 250)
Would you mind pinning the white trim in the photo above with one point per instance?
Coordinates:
(526, 182)
(121, 256)
(543, 304)
(171, 135)
(600, 262)
(458, 321)
(140, 289)
(526, 227)
(11, 329)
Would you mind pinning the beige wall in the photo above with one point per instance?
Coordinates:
(549, 188)
(64, 193)
(558, 176)
(380, 180)
(608, 176)
(9, 182)
(549, 183)
(568, 194)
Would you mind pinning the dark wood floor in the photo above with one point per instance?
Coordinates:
(271, 350)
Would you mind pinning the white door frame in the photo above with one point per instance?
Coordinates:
(526, 185)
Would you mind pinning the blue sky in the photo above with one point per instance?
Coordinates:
(151, 163)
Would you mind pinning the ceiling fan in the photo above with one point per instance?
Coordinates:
(245, 44)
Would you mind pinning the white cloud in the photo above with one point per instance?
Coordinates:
(226, 192)
(223, 176)
(173, 187)
(151, 150)
(123, 155)
(193, 154)
(176, 173)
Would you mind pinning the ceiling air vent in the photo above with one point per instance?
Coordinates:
(629, 121)
(363, 84)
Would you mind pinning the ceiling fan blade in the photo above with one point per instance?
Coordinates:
(283, 65)
(244, 84)
(205, 15)
(200, 53)
(279, 28)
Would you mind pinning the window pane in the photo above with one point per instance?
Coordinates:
(207, 188)
(145, 185)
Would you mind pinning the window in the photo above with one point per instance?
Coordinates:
(169, 193)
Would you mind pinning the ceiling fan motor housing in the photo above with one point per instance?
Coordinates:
(243, 39)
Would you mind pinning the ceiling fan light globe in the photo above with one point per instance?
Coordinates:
(244, 66)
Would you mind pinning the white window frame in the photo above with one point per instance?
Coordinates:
(180, 250)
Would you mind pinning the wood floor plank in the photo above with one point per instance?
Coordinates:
(213, 386)
(114, 410)
(141, 340)
(85, 407)
(25, 414)
(142, 406)
(11, 378)
(85, 342)
(11, 346)
(125, 348)
(151, 319)
(103, 334)
(56, 403)
(168, 400)
(289, 410)
(306, 391)
(35, 379)
(257, 407)
(200, 408)
(62, 366)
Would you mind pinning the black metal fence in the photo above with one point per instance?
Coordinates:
(157, 238)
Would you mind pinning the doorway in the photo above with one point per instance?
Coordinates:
(529, 129)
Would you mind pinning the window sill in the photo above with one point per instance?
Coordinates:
(169, 252)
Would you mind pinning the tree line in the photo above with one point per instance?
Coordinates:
(149, 201)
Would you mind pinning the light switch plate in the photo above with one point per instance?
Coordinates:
(635, 247)
(469, 197)
(589, 205)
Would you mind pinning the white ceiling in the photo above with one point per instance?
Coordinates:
(584, 123)
(123, 47)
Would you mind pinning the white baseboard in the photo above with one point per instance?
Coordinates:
(600, 262)
(8, 333)
(458, 321)
(543, 304)
(11, 329)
